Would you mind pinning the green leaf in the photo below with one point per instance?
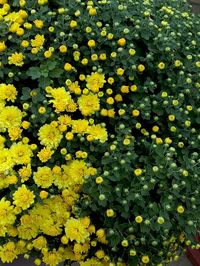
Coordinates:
(34, 72)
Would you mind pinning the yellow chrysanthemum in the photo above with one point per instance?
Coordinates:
(16, 59)
(62, 99)
(43, 177)
(38, 41)
(50, 136)
(10, 116)
(52, 258)
(88, 104)
(75, 230)
(25, 173)
(8, 92)
(23, 197)
(80, 126)
(6, 212)
(14, 133)
(40, 242)
(98, 133)
(91, 262)
(45, 154)
(21, 153)
(28, 227)
(8, 252)
(6, 162)
(95, 81)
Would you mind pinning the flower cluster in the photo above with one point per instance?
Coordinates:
(99, 140)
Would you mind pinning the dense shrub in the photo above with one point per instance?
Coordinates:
(99, 122)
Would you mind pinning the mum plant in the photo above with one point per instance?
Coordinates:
(99, 131)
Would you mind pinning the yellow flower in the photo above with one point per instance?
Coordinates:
(161, 65)
(52, 258)
(171, 117)
(138, 219)
(135, 113)
(8, 252)
(98, 133)
(28, 228)
(2, 47)
(75, 230)
(40, 242)
(121, 42)
(95, 81)
(21, 153)
(25, 172)
(38, 41)
(50, 136)
(80, 126)
(88, 104)
(45, 154)
(120, 71)
(92, 11)
(73, 24)
(16, 59)
(138, 172)
(62, 99)
(141, 68)
(43, 177)
(38, 23)
(10, 116)
(91, 43)
(14, 133)
(24, 43)
(6, 162)
(68, 67)
(110, 213)
(145, 259)
(180, 209)
(23, 197)
(6, 212)
(63, 48)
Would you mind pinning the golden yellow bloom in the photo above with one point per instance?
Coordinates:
(38, 23)
(145, 259)
(120, 71)
(110, 213)
(161, 65)
(2, 47)
(95, 81)
(141, 68)
(16, 59)
(180, 209)
(6, 213)
(138, 219)
(14, 133)
(91, 43)
(40, 242)
(21, 153)
(23, 197)
(121, 42)
(45, 154)
(8, 92)
(75, 230)
(38, 41)
(8, 252)
(88, 104)
(68, 67)
(138, 172)
(98, 133)
(73, 24)
(135, 113)
(50, 136)
(43, 177)
(6, 162)
(63, 48)
(92, 11)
